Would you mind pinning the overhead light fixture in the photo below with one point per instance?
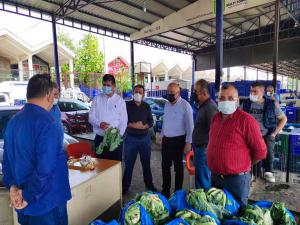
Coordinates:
(145, 9)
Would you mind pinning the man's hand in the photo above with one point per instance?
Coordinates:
(187, 148)
(104, 125)
(137, 125)
(16, 198)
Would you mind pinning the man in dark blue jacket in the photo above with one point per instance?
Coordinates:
(35, 164)
(271, 120)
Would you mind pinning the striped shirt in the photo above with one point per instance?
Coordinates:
(234, 144)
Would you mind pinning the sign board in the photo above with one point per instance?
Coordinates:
(115, 66)
(202, 10)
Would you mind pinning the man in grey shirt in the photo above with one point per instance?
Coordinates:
(207, 109)
(177, 131)
(271, 120)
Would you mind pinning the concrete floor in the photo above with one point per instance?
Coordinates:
(260, 190)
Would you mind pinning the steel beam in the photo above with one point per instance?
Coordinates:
(132, 64)
(276, 40)
(56, 62)
(219, 44)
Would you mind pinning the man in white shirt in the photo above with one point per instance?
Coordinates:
(177, 132)
(108, 110)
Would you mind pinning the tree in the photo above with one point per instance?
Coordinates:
(89, 60)
(123, 80)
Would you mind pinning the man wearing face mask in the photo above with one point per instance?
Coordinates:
(138, 138)
(207, 109)
(108, 110)
(177, 132)
(271, 120)
(235, 143)
(271, 93)
(35, 164)
(55, 111)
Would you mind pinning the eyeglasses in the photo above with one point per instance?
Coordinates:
(230, 98)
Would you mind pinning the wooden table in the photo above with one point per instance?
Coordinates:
(93, 192)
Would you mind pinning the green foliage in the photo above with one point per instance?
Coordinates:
(111, 140)
(123, 79)
(193, 218)
(89, 59)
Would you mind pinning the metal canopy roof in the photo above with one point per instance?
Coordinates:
(121, 18)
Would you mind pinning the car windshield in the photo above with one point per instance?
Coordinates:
(4, 118)
(71, 106)
(2, 98)
(156, 102)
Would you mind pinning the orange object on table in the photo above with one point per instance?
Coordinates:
(76, 150)
(189, 166)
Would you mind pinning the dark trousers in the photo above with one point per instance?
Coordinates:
(238, 186)
(57, 216)
(106, 154)
(132, 146)
(268, 162)
(172, 152)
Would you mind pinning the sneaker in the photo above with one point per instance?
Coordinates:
(269, 177)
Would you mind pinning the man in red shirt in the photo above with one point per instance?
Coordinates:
(235, 144)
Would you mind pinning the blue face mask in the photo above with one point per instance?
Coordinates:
(107, 90)
(227, 107)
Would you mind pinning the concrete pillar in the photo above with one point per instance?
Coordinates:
(71, 68)
(149, 78)
(20, 69)
(30, 66)
(166, 76)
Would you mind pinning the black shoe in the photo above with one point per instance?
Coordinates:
(151, 188)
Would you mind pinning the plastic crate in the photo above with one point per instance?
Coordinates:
(291, 114)
(295, 142)
(294, 164)
(282, 145)
(280, 162)
(294, 178)
(280, 176)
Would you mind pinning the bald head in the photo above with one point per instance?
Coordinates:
(173, 90)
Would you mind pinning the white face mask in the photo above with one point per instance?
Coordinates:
(269, 94)
(137, 97)
(254, 98)
(55, 101)
(227, 107)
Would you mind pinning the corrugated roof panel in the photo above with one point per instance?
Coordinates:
(101, 22)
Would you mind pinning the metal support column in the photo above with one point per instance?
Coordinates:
(245, 73)
(275, 44)
(193, 72)
(256, 74)
(56, 63)
(219, 44)
(132, 64)
(228, 74)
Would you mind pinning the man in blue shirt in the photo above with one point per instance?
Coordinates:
(34, 164)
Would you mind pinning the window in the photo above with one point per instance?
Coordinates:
(2, 98)
(71, 106)
(5, 116)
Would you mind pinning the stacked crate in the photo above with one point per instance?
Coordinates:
(294, 159)
(280, 157)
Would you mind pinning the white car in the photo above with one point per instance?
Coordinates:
(5, 114)
(15, 90)
(76, 94)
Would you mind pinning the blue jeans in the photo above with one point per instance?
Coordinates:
(238, 186)
(132, 146)
(202, 173)
(57, 216)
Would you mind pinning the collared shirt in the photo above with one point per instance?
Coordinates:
(111, 110)
(55, 112)
(178, 120)
(234, 144)
(138, 113)
(34, 160)
(203, 120)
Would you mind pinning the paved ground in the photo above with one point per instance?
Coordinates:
(260, 190)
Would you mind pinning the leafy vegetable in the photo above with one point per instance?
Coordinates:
(197, 199)
(217, 197)
(154, 206)
(132, 215)
(280, 215)
(193, 218)
(111, 140)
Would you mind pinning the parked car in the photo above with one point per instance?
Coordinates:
(74, 116)
(157, 105)
(6, 113)
(4, 100)
(76, 94)
(15, 90)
